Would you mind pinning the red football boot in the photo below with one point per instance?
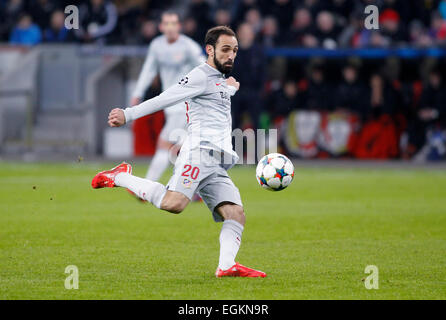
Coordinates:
(106, 179)
(238, 270)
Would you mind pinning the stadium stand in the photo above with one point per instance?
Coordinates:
(331, 87)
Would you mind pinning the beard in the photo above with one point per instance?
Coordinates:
(224, 68)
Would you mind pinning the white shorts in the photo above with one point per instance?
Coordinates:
(200, 171)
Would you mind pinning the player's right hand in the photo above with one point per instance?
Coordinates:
(116, 118)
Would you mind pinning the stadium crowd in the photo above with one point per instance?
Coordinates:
(406, 110)
(304, 23)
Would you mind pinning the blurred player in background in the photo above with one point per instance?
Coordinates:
(206, 154)
(172, 55)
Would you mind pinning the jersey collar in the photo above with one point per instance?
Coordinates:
(215, 70)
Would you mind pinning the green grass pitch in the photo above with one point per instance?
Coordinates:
(313, 239)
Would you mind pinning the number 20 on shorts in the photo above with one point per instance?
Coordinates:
(190, 171)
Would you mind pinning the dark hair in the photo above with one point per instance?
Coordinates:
(214, 33)
(170, 12)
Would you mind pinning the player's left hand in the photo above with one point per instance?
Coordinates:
(116, 118)
(232, 82)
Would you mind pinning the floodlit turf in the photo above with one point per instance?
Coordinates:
(313, 239)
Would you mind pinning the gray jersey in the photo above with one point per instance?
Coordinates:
(170, 60)
(207, 102)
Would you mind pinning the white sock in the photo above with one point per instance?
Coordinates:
(145, 189)
(159, 164)
(230, 238)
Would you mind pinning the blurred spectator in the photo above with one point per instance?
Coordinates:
(315, 6)
(418, 35)
(286, 100)
(301, 27)
(199, 10)
(270, 35)
(25, 32)
(149, 30)
(222, 17)
(283, 11)
(431, 111)
(382, 97)
(57, 32)
(249, 70)
(349, 95)
(402, 7)
(342, 10)
(429, 129)
(391, 28)
(372, 39)
(97, 19)
(438, 29)
(319, 94)
(41, 11)
(351, 34)
(190, 29)
(433, 100)
(10, 11)
(229, 5)
(326, 31)
(378, 41)
(254, 18)
(243, 7)
(131, 17)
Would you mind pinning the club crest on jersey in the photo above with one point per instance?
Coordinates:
(184, 81)
(187, 183)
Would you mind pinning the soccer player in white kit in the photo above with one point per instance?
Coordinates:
(172, 55)
(206, 153)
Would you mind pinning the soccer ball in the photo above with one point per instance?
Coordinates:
(275, 172)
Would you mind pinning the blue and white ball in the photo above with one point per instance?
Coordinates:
(275, 172)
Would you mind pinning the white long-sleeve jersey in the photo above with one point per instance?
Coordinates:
(206, 99)
(171, 60)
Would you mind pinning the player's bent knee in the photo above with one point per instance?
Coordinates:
(174, 206)
(177, 208)
(174, 202)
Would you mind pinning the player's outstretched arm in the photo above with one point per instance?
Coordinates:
(190, 86)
